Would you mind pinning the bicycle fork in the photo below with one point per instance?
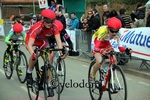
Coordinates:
(114, 76)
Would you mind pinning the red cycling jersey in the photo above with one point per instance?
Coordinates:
(41, 34)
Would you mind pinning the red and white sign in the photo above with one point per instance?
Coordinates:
(43, 3)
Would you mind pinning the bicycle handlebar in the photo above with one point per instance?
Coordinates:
(51, 49)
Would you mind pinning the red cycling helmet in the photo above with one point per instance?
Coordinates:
(17, 28)
(114, 23)
(48, 14)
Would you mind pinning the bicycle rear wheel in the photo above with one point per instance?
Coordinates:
(22, 65)
(55, 86)
(94, 84)
(7, 65)
(61, 70)
(117, 86)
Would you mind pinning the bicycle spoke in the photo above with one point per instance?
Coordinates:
(22, 67)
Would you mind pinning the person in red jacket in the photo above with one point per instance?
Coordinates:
(38, 35)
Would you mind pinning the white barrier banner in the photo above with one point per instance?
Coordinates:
(2, 30)
(138, 39)
(72, 35)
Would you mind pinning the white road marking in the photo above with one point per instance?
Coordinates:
(2, 71)
(128, 78)
(4, 74)
(144, 83)
(85, 66)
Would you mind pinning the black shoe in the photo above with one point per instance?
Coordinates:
(50, 92)
(41, 87)
(29, 79)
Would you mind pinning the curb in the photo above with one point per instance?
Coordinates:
(126, 70)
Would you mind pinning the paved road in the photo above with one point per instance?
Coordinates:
(138, 87)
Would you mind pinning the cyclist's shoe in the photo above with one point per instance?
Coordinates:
(29, 79)
(50, 92)
(92, 78)
(19, 71)
(115, 90)
(41, 87)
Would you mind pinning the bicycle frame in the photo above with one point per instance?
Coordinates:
(110, 70)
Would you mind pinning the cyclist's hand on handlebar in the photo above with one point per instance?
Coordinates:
(10, 42)
(128, 51)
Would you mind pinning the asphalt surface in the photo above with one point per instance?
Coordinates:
(132, 67)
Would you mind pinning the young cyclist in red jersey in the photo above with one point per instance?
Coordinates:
(102, 43)
(39, 34)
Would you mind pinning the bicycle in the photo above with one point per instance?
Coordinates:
(40, 81)
(17, 60)
(112, 81)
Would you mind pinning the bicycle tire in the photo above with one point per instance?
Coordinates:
(120, 85)
(33, 90)
(54, 82)
(61, 70)
(22, 68)
(8, 66)
(94, 88)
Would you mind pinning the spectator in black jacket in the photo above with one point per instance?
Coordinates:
(94, 24)
(139, 16)
(106, 11)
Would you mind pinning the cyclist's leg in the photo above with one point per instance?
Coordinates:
(50, 90)
(8, 49)
(96, 66)
(29, 70)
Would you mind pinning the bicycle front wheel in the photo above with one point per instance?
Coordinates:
(51, 84)
(22, 65)
(61, 70)
(7, 65)
(94, 84)
(33, 90)
(117, 86)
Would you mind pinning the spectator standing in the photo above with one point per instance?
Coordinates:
(61, 18)
(75, 22)
(85, 23)
(93, 23)
(126, 18)
(33, 20)
(93, 8)
(85, 26)
(68, 21)
(106, 16)
(139, 16)
(113, 13)
(148, 18)
(96, 15)
(105, 10)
